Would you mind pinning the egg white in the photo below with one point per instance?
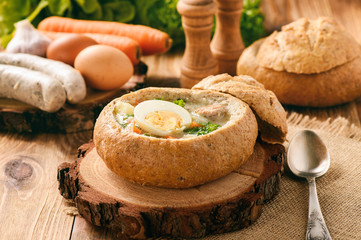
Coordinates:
(146, 107)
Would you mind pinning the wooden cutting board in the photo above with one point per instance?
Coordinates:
(20, 117)
(134, 211)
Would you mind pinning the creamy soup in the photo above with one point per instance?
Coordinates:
(171, 119)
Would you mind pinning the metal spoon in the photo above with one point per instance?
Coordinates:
(308, 157)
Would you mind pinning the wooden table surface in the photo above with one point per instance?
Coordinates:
(30, 204)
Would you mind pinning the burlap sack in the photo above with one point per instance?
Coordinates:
(339, 190)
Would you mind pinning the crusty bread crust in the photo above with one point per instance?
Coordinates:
(270, 114)
(308, 46)
(339, 85)
(176, 163)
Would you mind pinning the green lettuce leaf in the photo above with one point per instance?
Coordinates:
(88, 6)
(120, 11)
(252, 20)
(162, 15)
(59, 7)
(96, 15)
(12, 11)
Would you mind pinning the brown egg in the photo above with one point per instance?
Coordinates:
(104, 67)
(66, 48)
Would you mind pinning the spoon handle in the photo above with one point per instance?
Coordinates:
(316, 226)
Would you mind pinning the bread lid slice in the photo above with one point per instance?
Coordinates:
(308, 46)
(271, 116)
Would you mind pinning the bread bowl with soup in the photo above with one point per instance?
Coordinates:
(177, 138)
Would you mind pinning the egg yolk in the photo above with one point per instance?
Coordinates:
(164, 120)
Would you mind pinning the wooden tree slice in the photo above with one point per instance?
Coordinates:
(20, 117)
(137, 212)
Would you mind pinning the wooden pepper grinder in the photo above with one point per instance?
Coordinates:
(198, 61)
(227, 43)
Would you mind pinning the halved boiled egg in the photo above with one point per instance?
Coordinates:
(161, 118)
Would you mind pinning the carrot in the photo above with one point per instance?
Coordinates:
(151, 40)
(134, 128)
(195, 124)
(127, 45)
(169, 137)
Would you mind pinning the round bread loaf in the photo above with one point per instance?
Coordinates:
(177, 162)
(309, 63)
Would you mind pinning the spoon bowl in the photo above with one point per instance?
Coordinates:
(308, 157)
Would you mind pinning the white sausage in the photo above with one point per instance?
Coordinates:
(32, 87)
(72, 80)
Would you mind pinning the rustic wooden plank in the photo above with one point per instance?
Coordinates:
(30, 205)
(348, 13)
(164, 70)
(83, 230)
(280, 12)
